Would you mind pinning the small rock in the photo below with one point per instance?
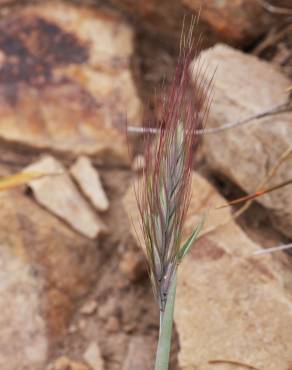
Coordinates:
(89, 181)
(139, 354)
(89, 308)
(133, 265)
(60, 196)
(112, 325)
(65, 363)
(93, 356)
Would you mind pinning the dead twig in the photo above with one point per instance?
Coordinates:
(275, 9)
(236, 363)
(278, 109)
(262, 184)
(272, 38)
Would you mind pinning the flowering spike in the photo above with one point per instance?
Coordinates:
(164, 194)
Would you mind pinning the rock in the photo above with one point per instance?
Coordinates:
(65, 81)
(245, 86)
(89, 181)
(93, 357)
(236, 22)
(230, 304)
(59, 195)
(89, 308)
(139, 354)
(23, 340)
(45, 269)
(65, 363)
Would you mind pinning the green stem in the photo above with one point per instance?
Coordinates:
(165, 333)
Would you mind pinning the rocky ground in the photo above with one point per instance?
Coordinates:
(74, 291)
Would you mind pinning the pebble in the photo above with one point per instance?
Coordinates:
(89, 308)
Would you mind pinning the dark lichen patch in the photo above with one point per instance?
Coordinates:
(31, 48)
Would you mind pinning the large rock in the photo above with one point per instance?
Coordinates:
(245, 86)
(237, 22)
(230, 304)
(65, 81)
(45, 269)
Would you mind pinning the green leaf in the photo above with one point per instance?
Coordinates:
(187, 245)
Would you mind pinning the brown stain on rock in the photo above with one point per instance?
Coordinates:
(207, 249)
(31, 47)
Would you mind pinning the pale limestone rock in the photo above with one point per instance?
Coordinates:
(245, 86)
(60, 195)
(93, 357)
(89, 181)
(67, 86)
(230, 304)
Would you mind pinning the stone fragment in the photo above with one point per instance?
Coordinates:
(88, 308)
(89, 181)
(93, 357)
(59, 195)
(65, 81)
(237, 22)
(65, 363)
(230, 304)
(243, 87)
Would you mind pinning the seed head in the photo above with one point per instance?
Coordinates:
(164, 192)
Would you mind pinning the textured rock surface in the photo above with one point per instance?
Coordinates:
(245, 86)
(23, 338)
(230, 305)
(89, 181)
(59, 194)
(65, 80)
(238, 22)
(56, 267)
